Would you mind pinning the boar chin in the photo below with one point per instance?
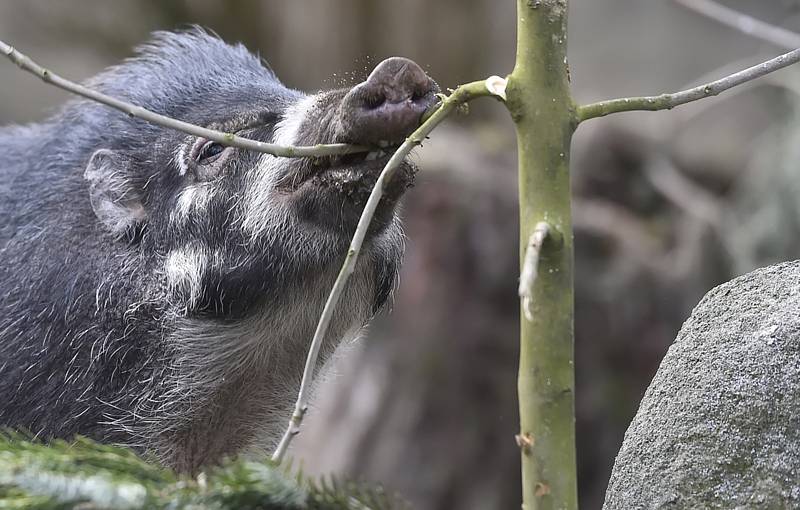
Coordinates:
(335, 197)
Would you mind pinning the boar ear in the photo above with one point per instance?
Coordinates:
(114, 198)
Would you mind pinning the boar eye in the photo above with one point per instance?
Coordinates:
(209, 152)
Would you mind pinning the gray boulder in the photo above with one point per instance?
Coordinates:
(719, 426)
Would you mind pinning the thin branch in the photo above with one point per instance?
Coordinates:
(744, 23)
(669, 101)
(459, 96)
(231, 139)
(530, 267)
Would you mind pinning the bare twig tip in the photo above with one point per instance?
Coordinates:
(669, 101)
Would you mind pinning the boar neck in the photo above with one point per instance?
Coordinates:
(244, 376)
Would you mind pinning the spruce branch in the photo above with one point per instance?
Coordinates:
(85, 475)
(744, 23)
(287, 151)
(460, 96)
(669, 101)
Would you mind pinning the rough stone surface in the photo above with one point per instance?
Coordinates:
(719, 426)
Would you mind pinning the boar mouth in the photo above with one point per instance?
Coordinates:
(353, 175)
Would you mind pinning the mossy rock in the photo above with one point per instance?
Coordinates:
(719, 426)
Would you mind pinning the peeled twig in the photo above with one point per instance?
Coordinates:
(25, 62)
(669, 101)
(530, 267)
(493, 86)
(744, 23)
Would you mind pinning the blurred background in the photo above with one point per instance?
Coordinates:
(667, 205)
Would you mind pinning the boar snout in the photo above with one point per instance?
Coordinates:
(389, 105)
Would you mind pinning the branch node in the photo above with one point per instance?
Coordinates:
(525, 442)
(497, 86)
(530, 266)
(542, 489)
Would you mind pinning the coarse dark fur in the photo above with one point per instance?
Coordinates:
(160, 292)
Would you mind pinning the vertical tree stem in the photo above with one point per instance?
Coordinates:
(541, 106)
